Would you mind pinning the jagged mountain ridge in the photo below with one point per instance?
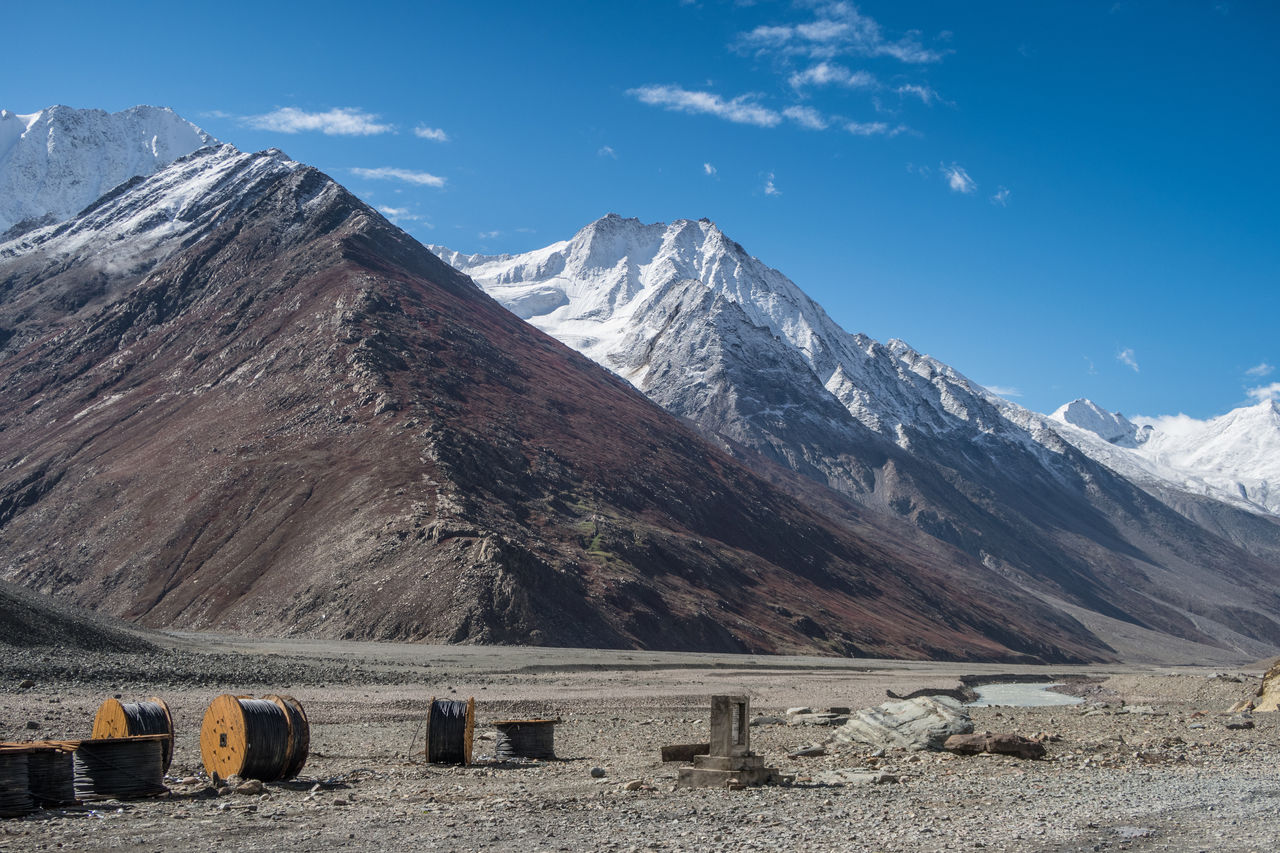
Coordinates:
(55, 162)
(1233, 458)
(713, 334)
(273, 411)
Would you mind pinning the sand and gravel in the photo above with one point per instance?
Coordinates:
(1146, 763)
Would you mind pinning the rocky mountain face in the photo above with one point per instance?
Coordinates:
(55, 162)
(716, 336)
(234, 397)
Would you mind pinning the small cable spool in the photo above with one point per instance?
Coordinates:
(120, 768)
(15, 790)
(51, 774)
(525, 739)
(129, 719)
(450, 727)
(265, 739)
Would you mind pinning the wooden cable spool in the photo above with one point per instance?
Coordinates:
(129, 719)
(266, 739)
(451, 725)
(15, 789)
(120, 768)
(525, 739)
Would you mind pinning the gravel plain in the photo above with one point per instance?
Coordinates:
(1146, 763)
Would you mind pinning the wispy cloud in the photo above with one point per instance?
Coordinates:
(806, 117)
(836, 29)
(398, 214)
(872, 128)
(743, 109)
(1260, 370)
(424, 179)
(926, 94)
(1265, 392)
(1003, 390)
(827, 74)
(708, 169)
(958, 179)
(1001, 197)
(1127, 358)
(769, 187)
(607, 151)
(340, 121)
(489, 235)
(435, 134)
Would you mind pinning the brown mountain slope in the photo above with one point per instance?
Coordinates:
(260, 407)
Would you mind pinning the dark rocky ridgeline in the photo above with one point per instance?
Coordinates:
(270, 411)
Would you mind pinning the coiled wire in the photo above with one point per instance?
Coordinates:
(119, 768)
(448, 734)
(51, 775)
(267, 741)
(525, 739)
(150, 718)
(15, 794)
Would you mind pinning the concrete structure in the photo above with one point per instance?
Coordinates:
(731, 763)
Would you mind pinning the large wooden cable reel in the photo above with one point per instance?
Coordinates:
(450, 730)
(116, 719)
(266, 739)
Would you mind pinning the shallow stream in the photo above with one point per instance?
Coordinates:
(1022, 695)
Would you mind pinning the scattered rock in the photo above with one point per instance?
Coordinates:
(1269, 692)
(598, 773)
(791, 712)
(26, 684)
(914, 724)
(1240, 721)
(249, 786)
(807, 752)
(766, 721)
(998, 744)
(633, 785)
(33, 724)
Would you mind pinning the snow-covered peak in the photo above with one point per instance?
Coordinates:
(1111, 427)
(1234, 457)
(55, 162)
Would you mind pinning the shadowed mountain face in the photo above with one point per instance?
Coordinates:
(715, 336)
(234, 397)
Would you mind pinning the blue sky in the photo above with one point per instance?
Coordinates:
(1059, 199)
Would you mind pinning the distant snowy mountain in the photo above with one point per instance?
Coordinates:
(55, 162)
(1233, 458)
(715, 335)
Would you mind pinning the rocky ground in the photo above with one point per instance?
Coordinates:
(1146, 763)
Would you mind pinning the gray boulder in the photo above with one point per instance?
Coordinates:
(913, 724)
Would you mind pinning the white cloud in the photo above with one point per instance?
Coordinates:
(435, 134)
(837, 28)
(1265, 392)
(1003, 390)
(398, 214)
(1260, 370)
(708, 168)
(806, 117)
(769, 187)
(958, 179)
(607, 151)
(1173, 425)
(870, 128)
(926, 94)
(425, 179)
(1127, 358)
(826, 74)
(742, 109)
(1001, 197)
(489, 235)
(341, 121)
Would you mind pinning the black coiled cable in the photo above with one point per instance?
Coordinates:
(52, 777)
(447, 732)
(150, 718)
(267, 741)
(527, 739)
(15, 794)
(119, 768)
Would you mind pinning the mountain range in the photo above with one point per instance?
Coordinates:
(235, 397)
(718, 337)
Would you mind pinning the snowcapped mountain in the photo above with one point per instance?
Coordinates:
(55, 162)
(233, 396)
(1233, 458)
(715, 335)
